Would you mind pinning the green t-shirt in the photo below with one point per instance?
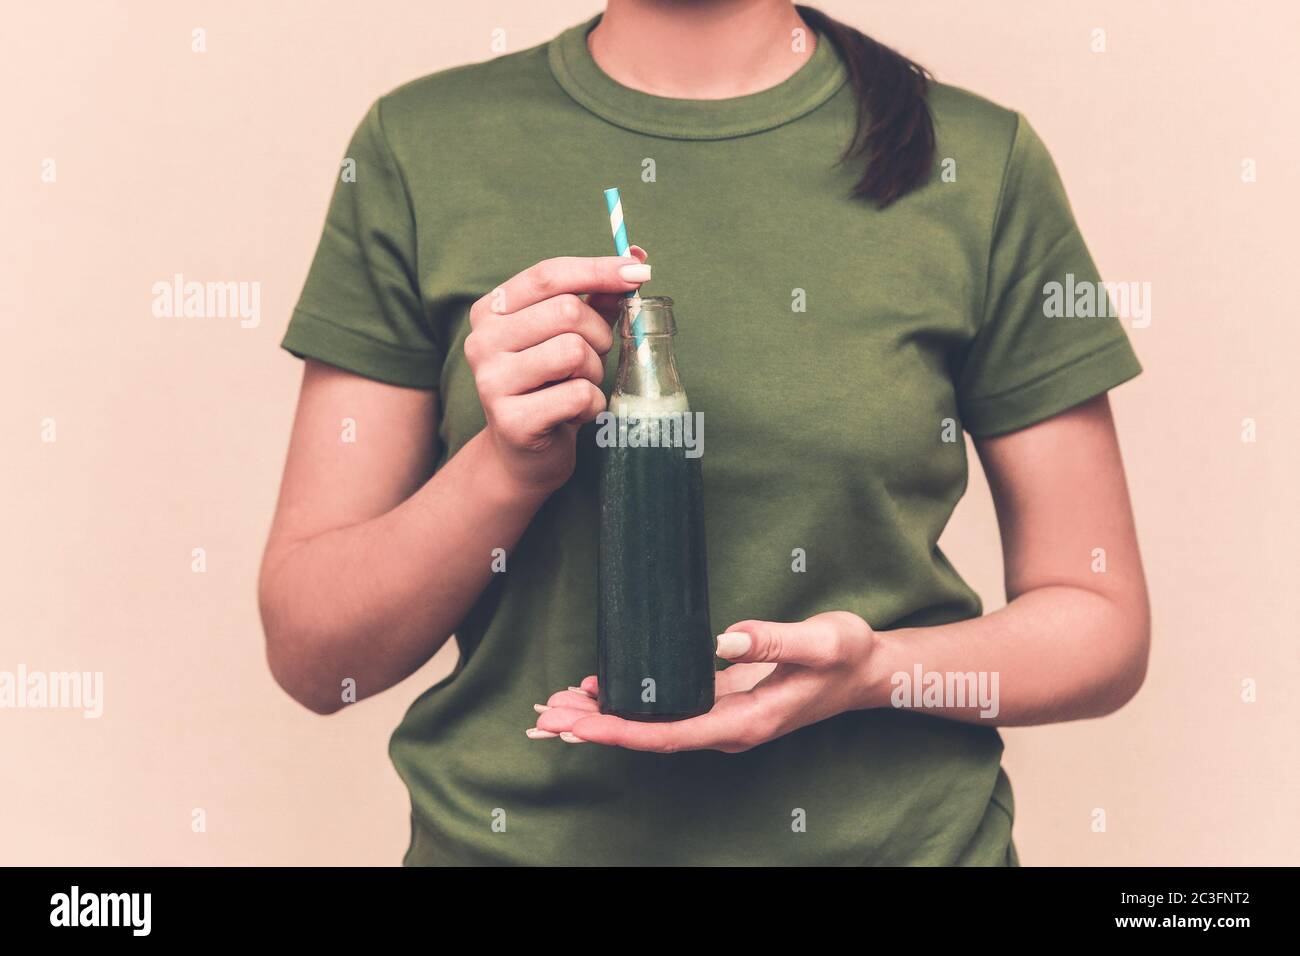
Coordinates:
(830, 346)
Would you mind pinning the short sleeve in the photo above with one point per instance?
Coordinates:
(1048, 338)
(360, 309)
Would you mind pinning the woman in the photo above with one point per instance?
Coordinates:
(858, 258)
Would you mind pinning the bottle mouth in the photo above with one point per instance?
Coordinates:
(654, 318)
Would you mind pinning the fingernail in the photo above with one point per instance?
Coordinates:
(571, 738)
(733, 644)
(579, 690)
(634, 273)
(541, 708)
(536, 733)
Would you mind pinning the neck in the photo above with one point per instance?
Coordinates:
(702, 50)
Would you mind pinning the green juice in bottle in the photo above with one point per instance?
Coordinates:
(655, 648)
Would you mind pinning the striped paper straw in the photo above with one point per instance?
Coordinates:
(614, 203)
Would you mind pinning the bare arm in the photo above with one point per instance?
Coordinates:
(1071, 642)
(371, 563)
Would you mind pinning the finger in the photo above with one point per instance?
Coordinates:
(731, 726)
(561, 720)
(516, 373)
(546, 320)
(523, 417)
(606, 304)
(576, 274)
(811, 643)
(591, 686)
(741, 677)
(574, 700)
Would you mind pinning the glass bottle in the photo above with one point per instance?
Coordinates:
(655, 648)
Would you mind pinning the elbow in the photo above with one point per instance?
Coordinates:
(294, 658)
(1128, 671)
(1127, 682)
(299, 683)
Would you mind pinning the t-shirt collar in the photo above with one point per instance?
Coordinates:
(574, 69)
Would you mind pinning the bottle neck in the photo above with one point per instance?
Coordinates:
(647, 368)
(647, 373)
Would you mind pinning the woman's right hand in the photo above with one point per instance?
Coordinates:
(537, 349)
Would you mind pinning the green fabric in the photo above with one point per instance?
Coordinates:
(825, 430)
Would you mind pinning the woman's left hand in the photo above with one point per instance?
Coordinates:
(784, 676)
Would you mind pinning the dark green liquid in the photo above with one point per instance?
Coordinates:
(653, 618)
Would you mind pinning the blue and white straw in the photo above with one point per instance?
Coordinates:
(614, 203)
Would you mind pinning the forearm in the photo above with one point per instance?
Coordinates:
(373, 601)
(1053, 654)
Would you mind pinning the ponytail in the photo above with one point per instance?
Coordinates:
(894, 132)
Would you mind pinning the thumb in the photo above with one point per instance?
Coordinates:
(811, 643)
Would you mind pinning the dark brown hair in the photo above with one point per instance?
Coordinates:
(895, 131)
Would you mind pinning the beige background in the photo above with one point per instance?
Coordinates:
(171, 432)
